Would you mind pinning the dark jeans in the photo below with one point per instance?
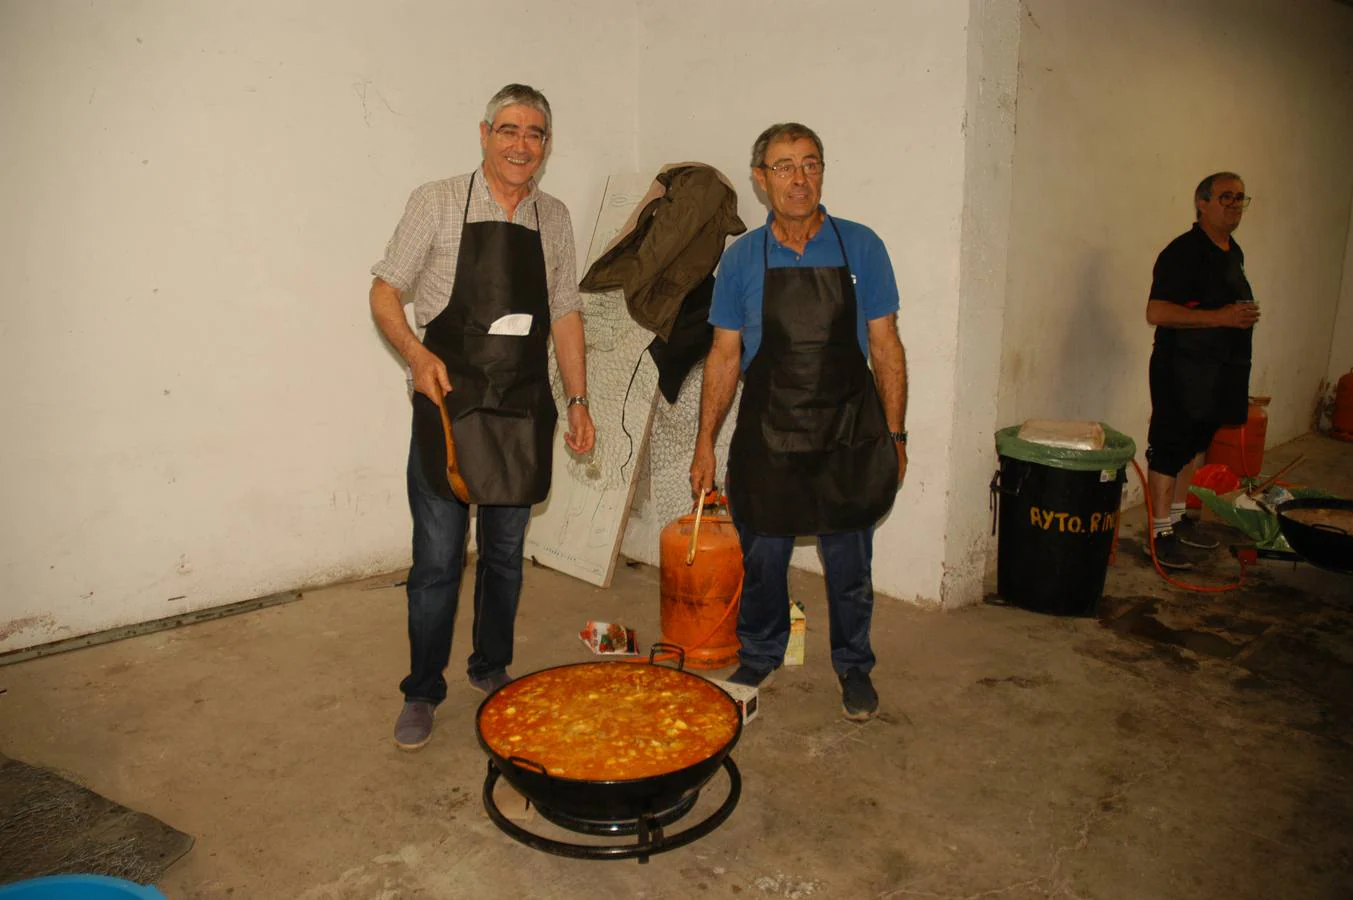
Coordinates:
(439, 531)
(763, 617)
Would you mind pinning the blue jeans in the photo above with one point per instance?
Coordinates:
(763, 617)
(439, 536)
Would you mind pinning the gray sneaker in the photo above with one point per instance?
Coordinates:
(490, 683)
(1191, 534)
(413, 728)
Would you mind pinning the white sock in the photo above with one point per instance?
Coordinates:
(1177, 512)
(1159, 526)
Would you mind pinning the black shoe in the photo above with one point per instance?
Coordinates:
(1191, 534)
(858, 696)
(749, 677)
(490, 683)
(1169, 553)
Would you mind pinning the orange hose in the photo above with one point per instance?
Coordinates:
(687, 648)
(1244, 438)
(1151, 541)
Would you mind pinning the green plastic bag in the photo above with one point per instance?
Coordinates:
(1258, 525)
(1117, 453)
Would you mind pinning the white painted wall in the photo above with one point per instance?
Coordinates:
(198, 409)
(196, 403)
(884, 86)
(993, 65)
(1123, 108)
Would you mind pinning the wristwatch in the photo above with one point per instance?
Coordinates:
(899, 437)
(577, 400)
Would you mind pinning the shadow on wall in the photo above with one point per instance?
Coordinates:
(1095, 354)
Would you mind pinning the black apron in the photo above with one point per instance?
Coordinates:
(501, 406)
(1211, 366)
(811, 453)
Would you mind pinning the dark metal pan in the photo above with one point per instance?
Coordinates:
(1327, 545)
(607, 800)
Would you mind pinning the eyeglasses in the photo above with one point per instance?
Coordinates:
(785, 170)
(1229, 199)
(509, 134)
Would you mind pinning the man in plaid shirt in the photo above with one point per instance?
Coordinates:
(489, 260)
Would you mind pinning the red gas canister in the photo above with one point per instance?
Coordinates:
(1242, 448)
(1341, 424)
(700, 590)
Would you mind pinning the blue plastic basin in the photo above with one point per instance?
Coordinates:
(78, 887)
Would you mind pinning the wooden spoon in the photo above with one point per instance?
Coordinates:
(453, 476)
(1255, 491)
(695, 532)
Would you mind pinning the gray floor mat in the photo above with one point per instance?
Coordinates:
(52, 826)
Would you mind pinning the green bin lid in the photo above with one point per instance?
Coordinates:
(1117, 452)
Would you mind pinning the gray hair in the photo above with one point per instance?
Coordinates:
(519, 95)
(789, 131)
(1204, 189)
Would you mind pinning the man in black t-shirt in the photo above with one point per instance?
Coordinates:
(1204, 313)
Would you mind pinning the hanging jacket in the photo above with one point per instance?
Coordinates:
(675, 244)
(689, 342)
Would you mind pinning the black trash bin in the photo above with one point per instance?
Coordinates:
(1058, 511)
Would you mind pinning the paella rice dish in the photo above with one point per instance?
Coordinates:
(609, 721)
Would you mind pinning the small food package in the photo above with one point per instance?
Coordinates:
(798, 631)
(1066, 435)
(610, 639)
(746, 698)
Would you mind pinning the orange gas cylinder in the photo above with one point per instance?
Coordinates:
(1341, 425)
(1242, 447)
(701, 589)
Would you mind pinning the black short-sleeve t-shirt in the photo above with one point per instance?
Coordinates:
(1193, 271)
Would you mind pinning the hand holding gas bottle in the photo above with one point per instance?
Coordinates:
(702, 469)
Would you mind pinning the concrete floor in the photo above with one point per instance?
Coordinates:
(1182, 746)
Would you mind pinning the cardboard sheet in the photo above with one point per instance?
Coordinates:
(578, 529)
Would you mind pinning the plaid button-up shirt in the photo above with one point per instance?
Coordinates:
(423, 251)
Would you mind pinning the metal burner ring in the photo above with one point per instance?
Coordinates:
(652, 839)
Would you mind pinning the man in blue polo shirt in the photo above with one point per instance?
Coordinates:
(803, 307)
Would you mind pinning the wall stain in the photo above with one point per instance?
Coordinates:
(29, 623)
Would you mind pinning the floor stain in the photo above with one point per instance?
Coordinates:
(1018, 681)
(1143, 622)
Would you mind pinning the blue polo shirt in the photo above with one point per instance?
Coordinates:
(738, 289)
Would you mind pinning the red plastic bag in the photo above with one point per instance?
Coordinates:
(1217, 478)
